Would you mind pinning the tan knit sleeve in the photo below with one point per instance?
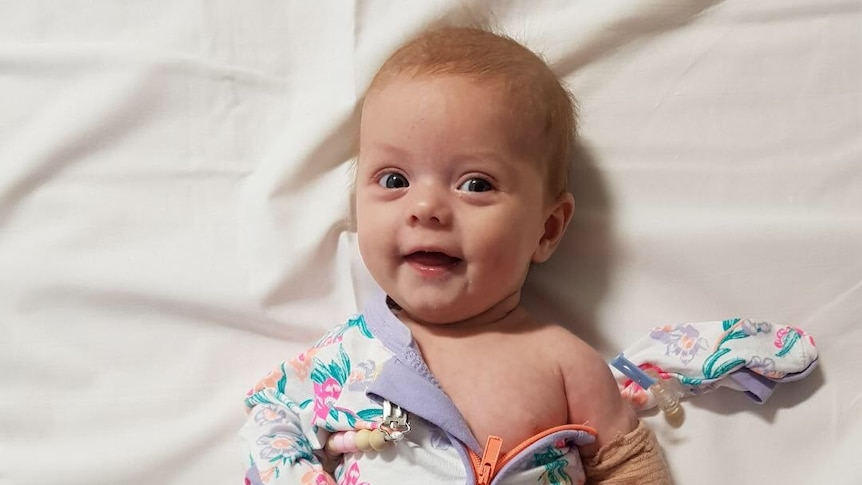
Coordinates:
(634, 458)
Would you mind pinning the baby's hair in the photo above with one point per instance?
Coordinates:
(543, 105)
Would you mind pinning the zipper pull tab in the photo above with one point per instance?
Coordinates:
(488, 465)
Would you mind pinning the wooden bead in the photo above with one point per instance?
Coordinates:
(377, 440)
(330, 444)
(361, 440)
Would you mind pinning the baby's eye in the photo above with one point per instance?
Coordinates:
(393, 180)
(476, 185)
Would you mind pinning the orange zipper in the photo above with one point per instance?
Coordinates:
(485, 468)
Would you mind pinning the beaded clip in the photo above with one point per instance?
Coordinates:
(393, 428)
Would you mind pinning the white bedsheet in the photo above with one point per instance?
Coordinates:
(174, 214)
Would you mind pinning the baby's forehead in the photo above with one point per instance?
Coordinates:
(523, 113)
(508, 96)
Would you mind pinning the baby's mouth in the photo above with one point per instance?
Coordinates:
(432, 259)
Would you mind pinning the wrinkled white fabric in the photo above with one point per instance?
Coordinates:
(175, 213)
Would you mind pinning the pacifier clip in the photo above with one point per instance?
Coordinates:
(393, 428)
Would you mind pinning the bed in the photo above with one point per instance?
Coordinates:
(175, 214)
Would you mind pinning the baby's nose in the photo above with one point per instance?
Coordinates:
(429, 205)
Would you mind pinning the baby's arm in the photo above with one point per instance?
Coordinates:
(278, 435)
(625, 451)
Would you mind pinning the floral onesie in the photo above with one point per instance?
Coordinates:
(341, 383)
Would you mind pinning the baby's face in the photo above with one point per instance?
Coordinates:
(450, 209)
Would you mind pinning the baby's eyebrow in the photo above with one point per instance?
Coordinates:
(482, 157)
(486, 158)
(389, 149)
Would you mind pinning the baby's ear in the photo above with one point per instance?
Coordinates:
(559, 214)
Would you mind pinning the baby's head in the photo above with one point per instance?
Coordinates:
(461, 181)
(543, 109)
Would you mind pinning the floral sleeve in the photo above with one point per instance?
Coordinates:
(281, 448)
(293, 410)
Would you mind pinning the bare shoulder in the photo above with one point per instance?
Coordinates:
(591, 391)
(584, 370)
(571, 352)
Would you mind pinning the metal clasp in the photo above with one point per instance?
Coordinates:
(395, 424)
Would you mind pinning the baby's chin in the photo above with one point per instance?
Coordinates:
(450, 315)
(451, 304)
(425, 314)
(428, 313)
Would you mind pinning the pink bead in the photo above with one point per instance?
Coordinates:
(338, 442)
(349, 439)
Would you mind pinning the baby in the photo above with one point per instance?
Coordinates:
(461, 185)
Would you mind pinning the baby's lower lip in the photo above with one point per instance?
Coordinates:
(431, 262)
